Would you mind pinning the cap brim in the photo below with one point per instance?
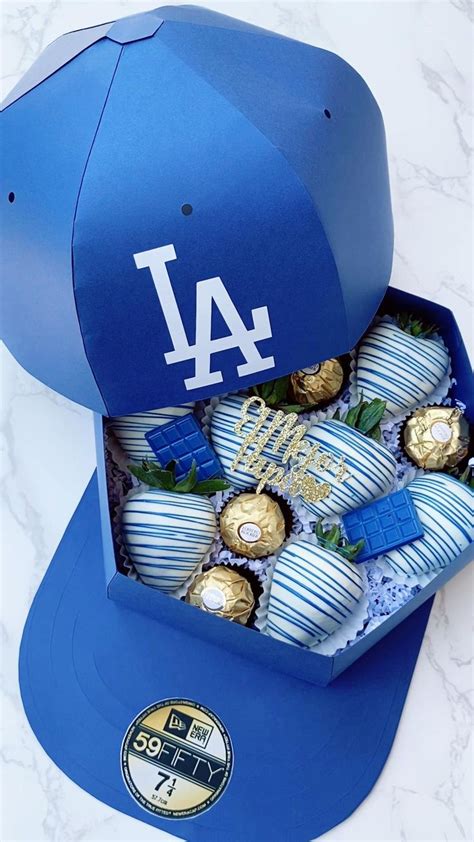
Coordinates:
(304, 756)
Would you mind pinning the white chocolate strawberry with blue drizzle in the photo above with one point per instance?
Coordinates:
(166, 529)
(314, 589)
(401, 364)
(445, 507)
(362, 468)
(227, 442)
(130, 429)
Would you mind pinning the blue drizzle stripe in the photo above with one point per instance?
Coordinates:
(340, 571)
(371, 465)
(313, 592)
(130, 429)
(167, 535)
(404, 360)
(445, 507)
(401, 369)
(226, 442)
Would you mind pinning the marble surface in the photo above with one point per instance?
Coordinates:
(416, 58)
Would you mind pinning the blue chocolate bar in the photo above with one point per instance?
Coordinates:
(183, 441)
(384, 524)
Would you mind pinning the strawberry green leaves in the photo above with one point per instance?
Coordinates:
(275, 394)
(365, 417)
(331, 539)
(188, 484)
(210, 486)
(415, 327)
(369, 418)
(465, 476)
(152, 474)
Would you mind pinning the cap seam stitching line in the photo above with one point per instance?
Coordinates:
(53, 72)
(75, 217)
(279, 151)
(262, 33)
(343, 798)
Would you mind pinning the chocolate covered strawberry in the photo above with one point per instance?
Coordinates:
(130, 430)
(352, 440)
(227, 441)
(401, 363)
(314, 590)
(168, 527)
(445, 507)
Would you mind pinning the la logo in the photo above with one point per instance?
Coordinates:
(207, 291)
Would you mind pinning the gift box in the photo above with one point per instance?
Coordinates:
(309, 665)
(197, 219)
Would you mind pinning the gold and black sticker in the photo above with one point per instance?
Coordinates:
(176, 758)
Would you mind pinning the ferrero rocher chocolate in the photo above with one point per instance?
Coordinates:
(224, 592)
(318, 383)
(436, 437)
(252, 525)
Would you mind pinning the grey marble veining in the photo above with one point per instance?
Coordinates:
(416, 58)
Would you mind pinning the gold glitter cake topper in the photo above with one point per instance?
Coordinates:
(290, 435)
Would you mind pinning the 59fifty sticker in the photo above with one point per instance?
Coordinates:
(176, 758)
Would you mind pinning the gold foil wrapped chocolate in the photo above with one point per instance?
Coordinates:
(224, 592)
(317, 383)
(252, 525)
(436, 437)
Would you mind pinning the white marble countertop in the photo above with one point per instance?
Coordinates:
(416, 58)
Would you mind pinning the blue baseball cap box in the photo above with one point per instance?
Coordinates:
(157, 170)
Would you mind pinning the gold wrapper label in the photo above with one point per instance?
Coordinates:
(311, 369)
(213, 599)
(250, 532)
(441, 431)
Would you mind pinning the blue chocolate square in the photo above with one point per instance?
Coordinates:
(371, 527)
(384, 524)
(183, 441)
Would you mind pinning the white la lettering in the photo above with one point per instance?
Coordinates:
(207, 291)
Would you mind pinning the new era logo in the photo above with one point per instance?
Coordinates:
(176, 724)
(188, 728)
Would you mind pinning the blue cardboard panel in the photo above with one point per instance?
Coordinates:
(134, 28)
(199, 16)
(262, 649)
(110, 563)
(47, 137)
(88, 665)
(248, 643)
(349, 656)
(54, 57)
(123, 31)
(331, 134)
(205, 153)
(217, 171)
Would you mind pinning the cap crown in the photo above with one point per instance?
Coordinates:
(199, 205)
